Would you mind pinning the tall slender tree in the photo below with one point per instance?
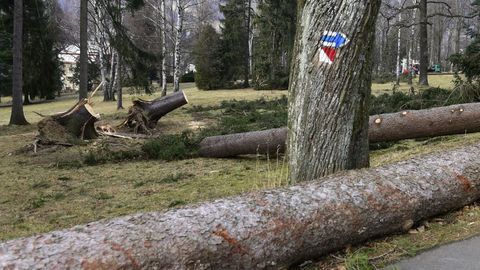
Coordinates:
(163, 23)
(330, 87)
(178, 45)
(17, 117)
(83, 91)
(423, 39)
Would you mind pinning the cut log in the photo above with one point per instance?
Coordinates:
(144, 115)
(456, 119)
(267, 229)
(270, 141)
(76, 123)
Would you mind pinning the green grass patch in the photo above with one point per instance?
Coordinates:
(172, 147)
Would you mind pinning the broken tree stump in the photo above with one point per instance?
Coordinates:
(267, 229)
(456, 119)
(63, 128)
(144, 115)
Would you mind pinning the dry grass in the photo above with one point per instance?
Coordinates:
(43, 192)
(439, 81)
(52, 191)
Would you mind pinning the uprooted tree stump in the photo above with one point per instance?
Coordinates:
(264, 230)
(144, 115)
(65, 128)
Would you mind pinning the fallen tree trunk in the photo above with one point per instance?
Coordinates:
(76, 123)
(457, 119)
(144, 115)
(268, 229)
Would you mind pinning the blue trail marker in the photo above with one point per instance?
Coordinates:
(334, 39)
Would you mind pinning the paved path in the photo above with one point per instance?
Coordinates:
(463, 255)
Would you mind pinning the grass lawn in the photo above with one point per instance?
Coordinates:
(40, 193)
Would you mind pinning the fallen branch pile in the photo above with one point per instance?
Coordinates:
(266, 229)
(457, 119)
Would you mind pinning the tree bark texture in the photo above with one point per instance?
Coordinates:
(178, 46)
(17, 117)
(328, 110)
(399, 50)
(144, 115)
(456, 119)
(117, 85)
(163, 22)
(423, 40)
(111, 87)
(264, 230)
(76, 123)
(270, 141)
(83, 91)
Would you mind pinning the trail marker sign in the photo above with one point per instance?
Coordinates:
(330, 43)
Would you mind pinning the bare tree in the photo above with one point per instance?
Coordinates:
(83, 91)
(17, 117)
(163, 23)
(178, 45)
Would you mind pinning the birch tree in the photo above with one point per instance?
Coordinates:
(163, 23)
(330, 87)
(178, 45)
(399, 49)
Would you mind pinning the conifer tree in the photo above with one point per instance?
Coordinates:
(235, 34)
(208, 59)
(275, 26)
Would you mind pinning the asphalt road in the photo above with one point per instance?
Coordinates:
(463, 255)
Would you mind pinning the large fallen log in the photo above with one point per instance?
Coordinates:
(267, 229)
(457, 119)
(76, 123)
(144, 115)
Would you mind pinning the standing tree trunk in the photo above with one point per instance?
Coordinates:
(423, 40)
(411, 48)
(83, 92)
(178, 46)
(118, 82)
(17, 117)
(328, 110)
(399, 47)
(101, 42)
(246, 68)
(111, 89)
(163, 23)
(118, 68)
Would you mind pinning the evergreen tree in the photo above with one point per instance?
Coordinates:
(235, 33)
(6, 58)
(469, 61)
(273, 45)
(41, 66)
(208, 59)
